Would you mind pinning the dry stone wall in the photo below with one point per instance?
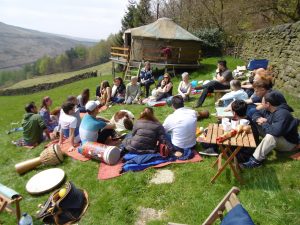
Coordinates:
(281, 46)
(47, 86)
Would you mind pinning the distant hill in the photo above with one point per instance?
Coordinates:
(19, 46)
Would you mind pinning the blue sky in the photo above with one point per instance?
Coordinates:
(93, 19)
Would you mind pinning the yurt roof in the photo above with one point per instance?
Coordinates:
(163, 28)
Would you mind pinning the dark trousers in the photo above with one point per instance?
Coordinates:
(147, 86)
(209, 88)
(104, 134)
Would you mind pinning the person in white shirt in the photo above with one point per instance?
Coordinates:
(68, 124)
(185, 87)
(237, 93)
(181, 124)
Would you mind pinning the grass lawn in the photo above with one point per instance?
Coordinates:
(103, 69)
(271, 194)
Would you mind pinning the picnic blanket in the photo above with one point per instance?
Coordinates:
(108, 172)
(296, 156)
(74, 154)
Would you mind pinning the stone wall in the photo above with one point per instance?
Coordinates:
(47, 86)
(281, 46)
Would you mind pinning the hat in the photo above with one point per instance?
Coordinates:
(91, 105)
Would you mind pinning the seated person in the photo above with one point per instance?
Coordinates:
(164, 88)
(123, 120)
(261, 88)
(185, 87)
(45, 113)
(255, 76)
(220, 82)
(239, 109)
(237, 93)
(33, 127)
(82, 99)
(181, 124)
(118, 91)
(133, 91)
(76, 112)
(146, 133)
(277, 125)
(93, 128)
(103, 93)
(68, 124)
(146, 78)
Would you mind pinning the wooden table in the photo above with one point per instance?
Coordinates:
(216, 130)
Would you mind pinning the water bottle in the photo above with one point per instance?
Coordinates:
(26, 219)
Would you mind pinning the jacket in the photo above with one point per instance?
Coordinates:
(279, 123)
(145, 135)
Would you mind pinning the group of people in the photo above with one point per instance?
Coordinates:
(266, 109)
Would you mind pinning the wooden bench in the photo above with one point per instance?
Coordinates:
(220, 93)
(216, 130)
(228, 202)
(8, 198)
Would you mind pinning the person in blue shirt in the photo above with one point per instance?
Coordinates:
(146, 77)
(93, 128)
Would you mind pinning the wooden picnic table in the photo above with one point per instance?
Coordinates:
(216, 130)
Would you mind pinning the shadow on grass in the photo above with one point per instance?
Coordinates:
(264, 178)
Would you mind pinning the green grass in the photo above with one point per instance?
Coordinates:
(271, 194)
(103, 69)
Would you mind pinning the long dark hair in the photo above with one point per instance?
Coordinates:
(148, 114)
(104, 85)
(85, 96)
(120, 79)
(44, 103)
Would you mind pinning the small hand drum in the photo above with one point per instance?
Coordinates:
(45, 181)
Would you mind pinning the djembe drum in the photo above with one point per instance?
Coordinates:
(52, 155)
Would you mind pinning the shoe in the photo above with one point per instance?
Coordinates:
(8, 132)
(209, 152)
(252, 163)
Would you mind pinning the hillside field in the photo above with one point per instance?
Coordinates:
(271, 194)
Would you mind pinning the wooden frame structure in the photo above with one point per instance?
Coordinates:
(238, 141)
(228, 202)
(7, 205)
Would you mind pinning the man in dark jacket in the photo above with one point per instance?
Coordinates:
(279, 127)
(220, 82)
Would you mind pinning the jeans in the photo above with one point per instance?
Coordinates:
(147, 86)
(117, 99)
(209, 88)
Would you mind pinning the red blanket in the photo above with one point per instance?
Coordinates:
(108, 172)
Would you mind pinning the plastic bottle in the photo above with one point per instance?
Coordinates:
(26, 219)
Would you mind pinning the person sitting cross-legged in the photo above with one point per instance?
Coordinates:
(181, 125)
(93, 128)
(220, 82)
(68, 124)
(277, 125)
(34, 127)
(164, 88)
(185, 87)
(133, 91)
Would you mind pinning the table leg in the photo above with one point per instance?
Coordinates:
(228, 161)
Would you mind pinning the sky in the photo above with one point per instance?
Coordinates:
(92, 19)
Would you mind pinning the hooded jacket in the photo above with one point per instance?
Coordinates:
(279, 123)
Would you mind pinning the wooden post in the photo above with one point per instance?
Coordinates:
(113, 70)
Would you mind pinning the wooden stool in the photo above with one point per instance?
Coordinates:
(8, 198)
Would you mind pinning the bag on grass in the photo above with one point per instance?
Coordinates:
(66, 209)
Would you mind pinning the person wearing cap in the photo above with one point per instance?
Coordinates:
(133, 91)
(185, 87)
(93, 128)
(279, 128)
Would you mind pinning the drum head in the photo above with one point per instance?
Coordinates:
(112, 155)
(45, 181)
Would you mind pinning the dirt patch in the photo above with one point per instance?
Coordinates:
(147, 214)
(163, 177)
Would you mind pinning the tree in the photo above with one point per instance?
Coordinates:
(128, 19)
(142, 14)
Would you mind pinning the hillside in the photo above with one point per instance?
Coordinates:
(19, 46)
(104, 69)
